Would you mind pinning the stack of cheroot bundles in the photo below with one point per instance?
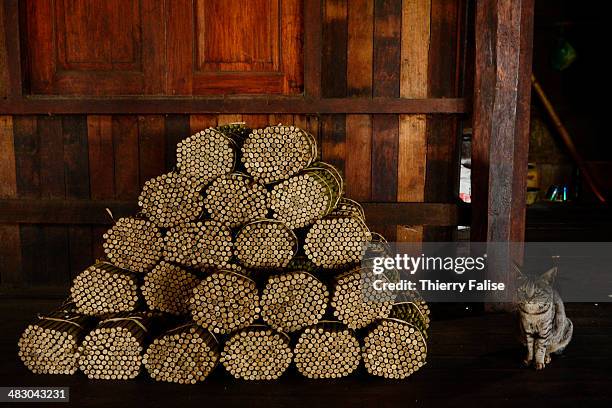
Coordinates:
(247, 256)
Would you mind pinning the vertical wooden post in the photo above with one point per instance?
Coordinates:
(500, 146)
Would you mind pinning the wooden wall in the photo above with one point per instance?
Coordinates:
(394, 49)
(358, 55)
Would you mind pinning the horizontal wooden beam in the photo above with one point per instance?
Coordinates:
(21, 292)
(248, 105)
(93, 212)
(434, 214)
(90, 212)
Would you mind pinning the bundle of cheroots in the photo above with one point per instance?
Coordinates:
(246, 256)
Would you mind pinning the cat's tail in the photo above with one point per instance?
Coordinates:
(565, 338)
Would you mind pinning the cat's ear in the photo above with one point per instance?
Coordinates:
(548, 277)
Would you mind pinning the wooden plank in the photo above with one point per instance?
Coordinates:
(301, 121)
(27, 165)
(410, 233)
(313, 36)
(53, 255)
(8, 177)
(333, 137)
(56, 256)
(13, 53)
(386, 83)
(358, 164)
(225, 119)
(201, 122)
(233, 105)
(51, 157)
(39, 30)
(443, 141)
(65, 171)
(10, 240)
(151, 146)
(468, 54)
(32, 244)
(76, 170)
(385, 135)
(92, 212)
(55, 295)
(292, 57)
(360, 47)
(282, 119)
(444, 59)
(415, 44)
(442, 133)
(69, 212)
(81, 249)
(416, 213)
(256, 121)
(228, 83)
(4, 69)
(101, 169)
(180, 41)
(387, 50)
(27, 160)
(384, 157)
(101, 156)
(76, 156)
(504, 35)
(125, 149)
(412, 158)
(154, 51)
(442, 168)
(314, 127)
(335, 35)
(177, 129)
(412, 155)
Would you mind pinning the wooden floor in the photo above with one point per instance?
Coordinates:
(473, 361)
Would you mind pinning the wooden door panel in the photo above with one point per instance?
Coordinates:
(237, 36)
(89, 47)
(91, 36)
(171, 47)
(247, 46)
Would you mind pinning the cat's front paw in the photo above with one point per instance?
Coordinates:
(539, 366)
(526, 362)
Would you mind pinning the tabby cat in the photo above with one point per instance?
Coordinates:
(544, 327)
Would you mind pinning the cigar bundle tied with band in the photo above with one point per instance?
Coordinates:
(246, 256)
